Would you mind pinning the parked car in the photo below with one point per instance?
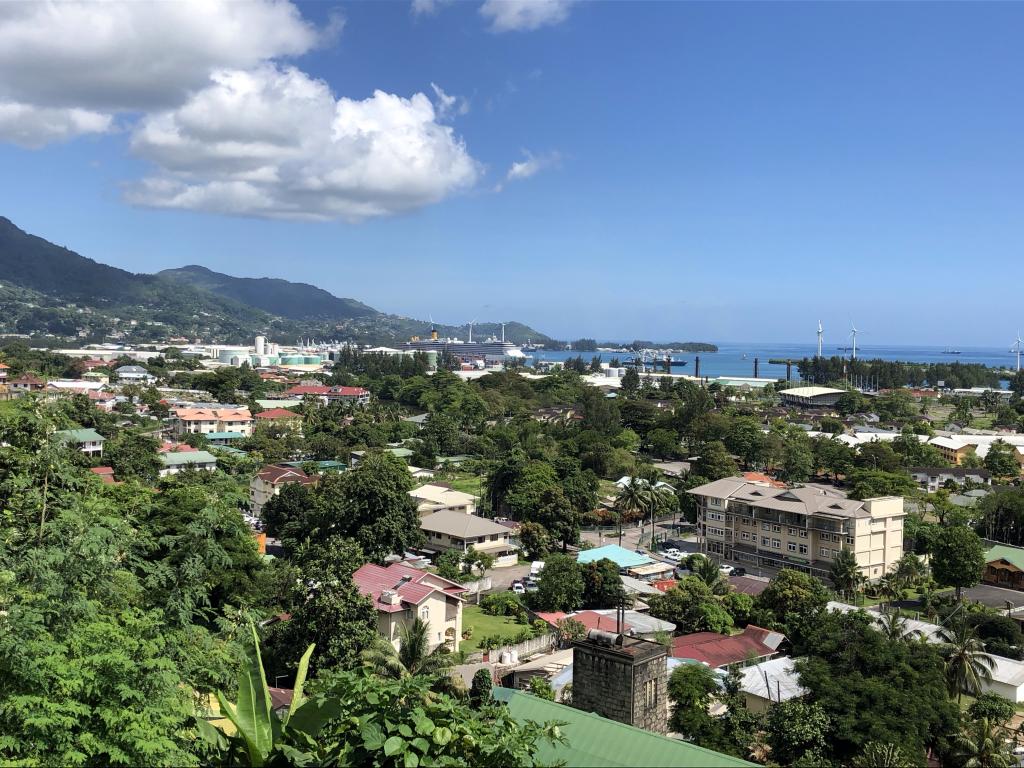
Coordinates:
(738, 571)
(728, 570)
(531, 585)
(518, 587)
(672, 555)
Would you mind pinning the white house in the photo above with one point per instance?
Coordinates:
(135, 374)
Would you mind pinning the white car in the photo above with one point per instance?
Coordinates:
(726, 569)
(672, 555)
(518, 588)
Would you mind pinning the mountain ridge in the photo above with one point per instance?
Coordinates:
(49, 290)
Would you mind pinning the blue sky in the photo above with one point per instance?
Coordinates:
(687, 171)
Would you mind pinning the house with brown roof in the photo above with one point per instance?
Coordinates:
(402, 594)
(280, 415)
(25, 384)
(269, 481)
(207, 420)
(4, 369)
(446, 529)
(753, 645)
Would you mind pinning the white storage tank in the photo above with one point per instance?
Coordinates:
(504, 659)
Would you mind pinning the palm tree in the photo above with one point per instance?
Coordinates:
(412, 657)
(968, 667)
(844, 572)
(659, 499)
(631, 498)
(890, 587)
(707, 571)
(894, 627)
(980, 744)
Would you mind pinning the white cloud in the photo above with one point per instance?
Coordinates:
(274, 142)
(427, 7)
(69, 67)
(34, 127)
(532, 165)
(522, 15)
(448, 105)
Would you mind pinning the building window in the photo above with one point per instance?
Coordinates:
(716, 516)
(776, 529)
(765, 541)
(803, 549)
(849, 540)
(791, 531)
(791, 546)
(776, 544)
(716, 532)
(651, 693)
(425, 613)
(745, 536)
(825, 552)
(766, 526)
(803, 534)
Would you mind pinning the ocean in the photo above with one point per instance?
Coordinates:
(737, 359)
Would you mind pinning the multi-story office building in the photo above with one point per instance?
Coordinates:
(802, 527)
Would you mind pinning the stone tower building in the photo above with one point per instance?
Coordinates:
(621, 678)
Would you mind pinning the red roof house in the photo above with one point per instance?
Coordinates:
(715, 650)
(275, 414)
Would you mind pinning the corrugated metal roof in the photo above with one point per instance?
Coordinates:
(621, 556)
(592, 740)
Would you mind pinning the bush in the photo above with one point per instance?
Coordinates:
(501, 604)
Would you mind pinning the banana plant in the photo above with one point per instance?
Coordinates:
(259, 733)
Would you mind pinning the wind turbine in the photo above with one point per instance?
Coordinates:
(853, 335)
(820, 331)
(471, 322)
(1017, 346)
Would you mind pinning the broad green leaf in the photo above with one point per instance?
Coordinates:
(373, 736)
(421, 744)
(253, 708)
(442, 736)
(411, 759)
(425, 726)
(211, 734)
(394, 745)
(297, 698)
(314, 714)
(405, 730)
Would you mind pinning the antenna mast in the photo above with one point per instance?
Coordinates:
(820, 331)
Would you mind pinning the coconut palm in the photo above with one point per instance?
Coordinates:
(659, 499)
(909, 569)
(968, 667)
(890, 588)
(895, 627)
(412, 656)
(632, 497)
(845, 574)
(706, 569)
(981, 744)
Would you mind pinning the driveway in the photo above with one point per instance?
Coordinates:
(995, 597)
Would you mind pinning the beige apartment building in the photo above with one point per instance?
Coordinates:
(802, 527)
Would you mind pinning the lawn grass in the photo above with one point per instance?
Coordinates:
(908, 594)
(486, 626)
(465, 482)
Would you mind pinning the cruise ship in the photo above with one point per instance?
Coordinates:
(493, 348)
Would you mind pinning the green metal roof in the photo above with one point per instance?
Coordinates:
(79, 436)
(592, 740)
(181, 458)
(225, 435)
(323, 466)
(1013, 555)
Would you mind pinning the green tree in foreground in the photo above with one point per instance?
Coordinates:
(690, 688)
(560, 587)
(845, 574)
(359, 719)
(958, 558)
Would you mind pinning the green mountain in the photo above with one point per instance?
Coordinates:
(47, 290)
(297, 301)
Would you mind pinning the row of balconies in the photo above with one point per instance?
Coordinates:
(808, 522)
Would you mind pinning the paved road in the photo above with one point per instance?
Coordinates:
(995, 597)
